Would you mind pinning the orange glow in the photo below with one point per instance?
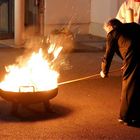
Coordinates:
(36, 74)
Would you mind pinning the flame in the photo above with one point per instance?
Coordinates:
(36, 74)
(56, 50)
(35, 71)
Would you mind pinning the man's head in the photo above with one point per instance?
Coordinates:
(112, 24)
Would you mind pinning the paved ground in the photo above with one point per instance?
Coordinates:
(82, 110)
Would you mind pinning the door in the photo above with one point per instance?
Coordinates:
(6, 19)
(34, 15)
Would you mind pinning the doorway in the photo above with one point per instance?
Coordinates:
(34, 15)
(6, 19)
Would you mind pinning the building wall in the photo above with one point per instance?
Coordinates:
(61, 13)
(83, 16)
(102, 11)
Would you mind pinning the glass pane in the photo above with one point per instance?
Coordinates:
(3, 16)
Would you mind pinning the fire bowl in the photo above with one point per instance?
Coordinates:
(27, 98)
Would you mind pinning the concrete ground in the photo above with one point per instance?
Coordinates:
(83, 110)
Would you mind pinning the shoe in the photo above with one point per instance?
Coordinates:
(129, 122)
(122, 122)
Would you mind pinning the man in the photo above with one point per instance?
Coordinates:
(129, 11)
(124, 39)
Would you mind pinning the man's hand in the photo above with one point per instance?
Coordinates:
(102, 74)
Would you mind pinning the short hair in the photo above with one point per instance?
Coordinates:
(115, 23)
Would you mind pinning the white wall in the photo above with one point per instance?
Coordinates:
(101, 11)
(62, 12)
(85, 16)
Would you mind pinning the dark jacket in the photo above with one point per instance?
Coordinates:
(125, 41)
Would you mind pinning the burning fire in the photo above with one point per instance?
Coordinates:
(36, 74)
(35, 71)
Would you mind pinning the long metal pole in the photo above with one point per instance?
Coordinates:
(84, 78)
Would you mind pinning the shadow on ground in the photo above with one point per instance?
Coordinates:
(32, 113)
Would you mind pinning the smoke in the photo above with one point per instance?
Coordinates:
(65, 38)
(60, 40)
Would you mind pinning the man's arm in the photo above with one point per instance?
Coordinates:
(108, 56)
